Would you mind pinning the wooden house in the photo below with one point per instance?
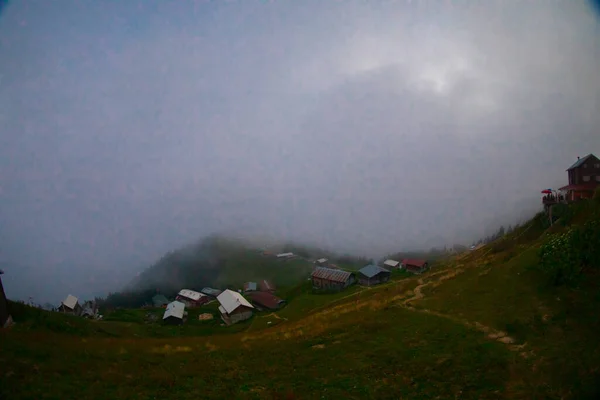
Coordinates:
(70, 305)
(584, 178)
(159, 300)
(415, 266)
(175, 313)
(321, 262)
(234, 307)
(328, 279)
(210, 292)
(5, 318)
(373, 275)
(266, 300)
(250, 287)
(391, 264)
(191, 298)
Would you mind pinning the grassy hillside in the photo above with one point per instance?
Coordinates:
(486, 324)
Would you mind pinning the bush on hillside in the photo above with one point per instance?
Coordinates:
(597, 194)
(566, 255)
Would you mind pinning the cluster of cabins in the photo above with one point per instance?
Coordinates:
(327, 278)
(70, 305)
(233, 306)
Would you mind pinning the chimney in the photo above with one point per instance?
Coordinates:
(578, 157)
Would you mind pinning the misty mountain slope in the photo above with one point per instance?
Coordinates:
(220, 262)
(484, 325)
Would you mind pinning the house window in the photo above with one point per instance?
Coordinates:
(586, 178)
(597, 178)
(596, 165)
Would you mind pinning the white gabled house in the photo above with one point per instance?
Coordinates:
(392, 264)
(70, 305)
(174, 313)
(234, 307)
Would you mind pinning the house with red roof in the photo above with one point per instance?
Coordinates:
(266, 286)
(265, 300)
(415, 266)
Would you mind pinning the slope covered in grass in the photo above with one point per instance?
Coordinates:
(484, 325)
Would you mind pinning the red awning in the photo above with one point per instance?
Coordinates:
(585, 187)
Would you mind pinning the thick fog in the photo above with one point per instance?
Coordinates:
(131, 128)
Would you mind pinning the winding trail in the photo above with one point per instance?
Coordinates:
(490, 332)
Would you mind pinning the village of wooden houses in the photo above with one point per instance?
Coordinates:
(236, 306)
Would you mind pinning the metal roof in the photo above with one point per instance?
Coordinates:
(371, 270)
(415, 263)
(250, 286)
(211, 291)
(70, 302)
(285, 255)
(159, 300)
(391, 263)
(329, 274)
(266, 299)
(191, 294)
(174, 309)
(231, 300)
(582, 187)
(322, 260)
(580, 162)
(265, 285)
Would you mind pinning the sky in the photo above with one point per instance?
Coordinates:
(129, 129)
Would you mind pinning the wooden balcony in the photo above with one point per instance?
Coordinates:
(551, 200)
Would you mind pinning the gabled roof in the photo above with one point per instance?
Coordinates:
(414, 263)
(581, 161)
(70, 302)
(190, 294)
(174, 309)
(266, 286)
(266, 299)
(159, 300)
(211, 291)
(371, 270)
(231, 300)
(391, 263)
(330, 274)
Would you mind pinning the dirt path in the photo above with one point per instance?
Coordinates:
(491, 333)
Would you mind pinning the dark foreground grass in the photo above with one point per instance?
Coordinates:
(559, 326)
(388, 354)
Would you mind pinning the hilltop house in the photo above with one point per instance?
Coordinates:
(415, 266)
(234, 307)
(331, 279)
(392, 264)
(250, 287)
(191, 298)
(584, 178)
(266, 286)
(70, 305)
(5, 318)
(175, 313)
(266, 300)
(159, 300)
(373, 275)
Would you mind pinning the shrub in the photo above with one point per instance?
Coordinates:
(564, 256)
